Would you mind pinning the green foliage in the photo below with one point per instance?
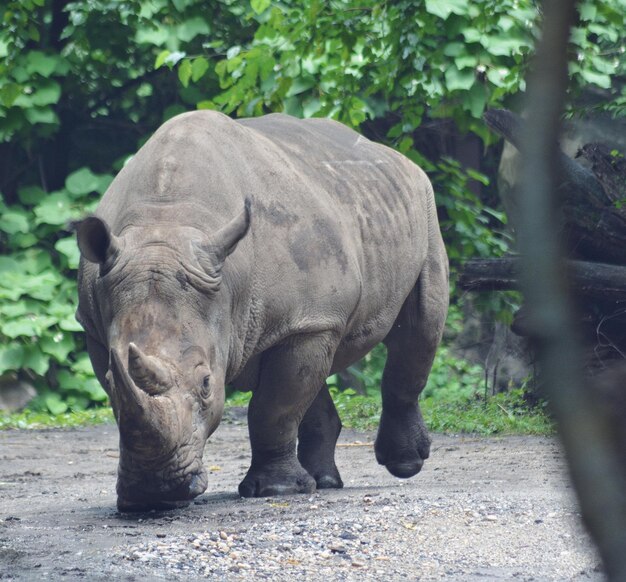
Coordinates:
(450, 375)
(38, 295)
(358, 411)
(452, 411)
(35, 420)
(505, 413)
(598, 43)
(236, 398)
(82, 85)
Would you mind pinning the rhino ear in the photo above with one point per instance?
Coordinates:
(95, 240)
(212, 253)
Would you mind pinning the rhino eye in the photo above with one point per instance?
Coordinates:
(204, 391)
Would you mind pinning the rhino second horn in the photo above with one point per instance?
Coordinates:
(147, 372)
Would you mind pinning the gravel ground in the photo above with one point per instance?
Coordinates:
(482, 509)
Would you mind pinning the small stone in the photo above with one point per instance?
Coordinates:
(337, 549)
(223, 535)
(160, 535)
(346, 535)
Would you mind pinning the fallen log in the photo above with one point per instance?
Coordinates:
(590, 280)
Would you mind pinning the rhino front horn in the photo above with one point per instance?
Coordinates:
(147, 372)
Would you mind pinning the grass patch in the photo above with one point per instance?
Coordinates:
(34, 419)
(444, 412)
(503, 414)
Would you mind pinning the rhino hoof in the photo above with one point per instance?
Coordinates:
(405, 469)
(329, 482)
(261, 486)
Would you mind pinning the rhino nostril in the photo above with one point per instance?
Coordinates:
(197, 485)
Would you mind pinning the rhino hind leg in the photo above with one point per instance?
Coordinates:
(290, 378)
(403, 443)
(317, 437)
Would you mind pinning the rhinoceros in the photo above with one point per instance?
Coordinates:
(266, 254)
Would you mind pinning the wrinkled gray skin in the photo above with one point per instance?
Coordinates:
(268, 253)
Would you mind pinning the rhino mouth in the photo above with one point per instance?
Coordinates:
(141, 497)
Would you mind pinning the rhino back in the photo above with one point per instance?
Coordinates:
(340, 225)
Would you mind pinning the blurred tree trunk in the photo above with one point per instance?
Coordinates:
(589, 434)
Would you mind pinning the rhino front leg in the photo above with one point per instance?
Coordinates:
(290, 378)
(317, 437)
(403, 443)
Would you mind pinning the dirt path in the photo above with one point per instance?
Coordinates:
(482, 509)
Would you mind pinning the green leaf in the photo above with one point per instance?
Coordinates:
(33, 33)
(82, 365)
(11, 357)
(191, 28)
(58, 345)
(443, 8)
(9, 93)
(83, 181)
(56, 209)
(406, 143)
(477, 99)
(23, 240)
(8, 265)
(157, 36)
(69, 248)
(599, 79)
(69, 323)
(31, 195)
(206, 105)
(184, 72)
(41, 115)
(198, 68)
(454, 49)
(46, 93)
(459, 80)
(13, 310)
(35, 262)
(92, 388)
(54, 403)
(14, 221)
(260, 5)
(38, 62)
(161, 57)
(588, 11)
(35, 359)
(31, 326)
(465, 61)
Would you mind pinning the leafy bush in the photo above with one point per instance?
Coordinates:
(38, 295)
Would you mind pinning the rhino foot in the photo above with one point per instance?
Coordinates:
(402, 443)
(329, 481)
(321, 467)
(268, 482)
